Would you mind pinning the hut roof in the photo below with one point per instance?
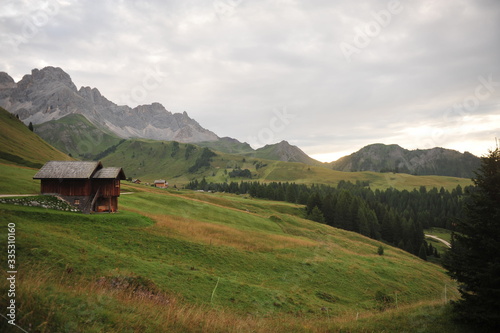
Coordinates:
(109, 173)
(68, 169)
(160, 181)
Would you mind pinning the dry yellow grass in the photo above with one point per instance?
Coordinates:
(140, 312)
(216, 234)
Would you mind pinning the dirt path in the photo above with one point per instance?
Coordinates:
(439, 239)
(17, 195)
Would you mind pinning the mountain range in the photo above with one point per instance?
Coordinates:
(393, 158)
(50, 94)
(85, 124)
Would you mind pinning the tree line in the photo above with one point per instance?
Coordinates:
(397, 217)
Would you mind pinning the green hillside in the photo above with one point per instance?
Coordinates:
(150, 160)
(228, 145)
(75, 135)
(15, 179)
(283, 151)
(183, 261)
(20, 146)
(436, 161)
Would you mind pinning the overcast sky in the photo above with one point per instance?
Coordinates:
(327, 76)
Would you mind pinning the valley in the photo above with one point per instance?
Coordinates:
(180, 259)
(176, 259)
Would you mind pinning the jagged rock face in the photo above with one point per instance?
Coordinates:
(6, 81)
(49, 94)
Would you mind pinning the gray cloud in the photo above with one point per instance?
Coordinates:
(230, 63)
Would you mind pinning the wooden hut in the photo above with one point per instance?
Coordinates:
(161, 183)
(86, 185)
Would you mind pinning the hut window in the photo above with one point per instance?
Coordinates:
(117, 183)
(77, 201)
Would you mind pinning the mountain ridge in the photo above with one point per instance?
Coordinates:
(380, 157)
(50, 94)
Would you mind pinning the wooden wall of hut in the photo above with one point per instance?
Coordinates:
(107, 187)
(69, 187)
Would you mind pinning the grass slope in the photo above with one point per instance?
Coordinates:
(75, 135)
(188, 261)
(20, 146)
(305, 174)
(440, 246)
(149, 160)
(18, 180)
(283, 151)
(228, 145)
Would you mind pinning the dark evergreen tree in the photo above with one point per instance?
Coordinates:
(30, 126)
(436, 253)
(364, 227)
(291, 193)
(314, 200)
(328, 209)
(316, 215)
(203, 184)
(474, 259)
(422, 253)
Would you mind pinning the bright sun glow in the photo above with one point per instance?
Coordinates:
(330, 157)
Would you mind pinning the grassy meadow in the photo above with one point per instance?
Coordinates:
(18, 180)
(20, 146)
(150, 160)
(440, 246)
(184, 261)
(75, 135)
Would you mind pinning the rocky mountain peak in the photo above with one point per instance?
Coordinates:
(6, 81)
(284, 143)
(93, 95)
(48, 76)
(50, 94)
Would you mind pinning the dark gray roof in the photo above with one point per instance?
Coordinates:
(69, 170)
(109, 173)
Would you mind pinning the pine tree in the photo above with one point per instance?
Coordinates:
(328, 209)
(313, 201)
(364, 227)
(473, 260)
(291, 194)
(30, 126)
(316, 215)
(422, 253)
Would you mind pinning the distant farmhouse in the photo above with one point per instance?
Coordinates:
(86, 185)
(161, 183)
